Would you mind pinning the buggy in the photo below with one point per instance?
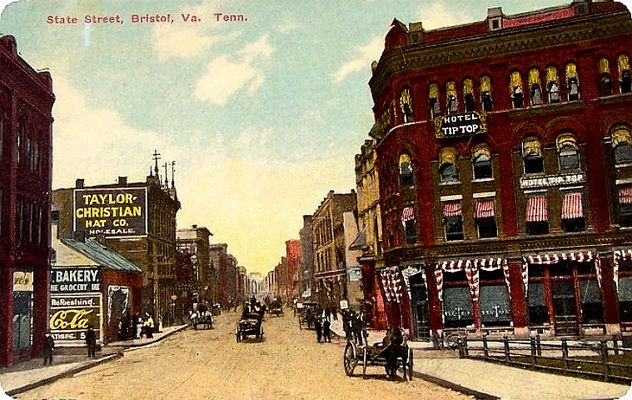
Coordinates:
(249, 324)
(390, 354)
(202, 318)
(307, 314)
(276, 308)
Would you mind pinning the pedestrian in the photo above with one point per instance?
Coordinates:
(139, 327)
(149, 326)
(327, 314)
(357, 328)
(91, 341)
(346, 325)
(319, 328)
(49, 345)
(326, 331)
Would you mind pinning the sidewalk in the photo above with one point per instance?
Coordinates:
(30, 374)
(486, 380)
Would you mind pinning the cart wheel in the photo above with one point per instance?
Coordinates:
(453, 340)
(410, 364)
(364, 360)
(237, 335)
(350, 358)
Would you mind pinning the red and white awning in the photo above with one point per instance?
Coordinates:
(408, 214)
(625, 195)
(554, 258)
(472, 269)
(572, 206)
(392, 284)
(452, 208)
(537, 209)
(484, 209)
(618, 256)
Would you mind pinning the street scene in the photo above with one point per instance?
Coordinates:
(210, 364)
(285, 199)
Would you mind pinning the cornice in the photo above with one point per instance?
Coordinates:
(496, 44)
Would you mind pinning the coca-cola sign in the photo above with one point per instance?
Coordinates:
(71, 315)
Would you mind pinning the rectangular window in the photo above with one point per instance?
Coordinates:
(537, 215)
(625, 206)
(591, 301)
(538, 311)
(625, 299)
(573, 213)
(485, 219)
(457, 306)
(495, 308)
(453, 220)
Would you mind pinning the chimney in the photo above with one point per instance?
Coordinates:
(122, 180)
(79, 183)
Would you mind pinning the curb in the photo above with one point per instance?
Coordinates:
(454, 386)
(135, 346)
(64, 374)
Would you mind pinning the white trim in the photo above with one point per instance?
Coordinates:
(483, 195)
(452, 197)
(623, 181)
(535, 191)
(571, 188)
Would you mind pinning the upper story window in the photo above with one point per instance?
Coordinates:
(468, 95)
(535, 89)
(532, 156)
(406, 178)
(605, 84)
(573, 212)
(485, 218)
(486, 93)
(625, 205)
(537, 215)
(625, 82)
(452, 102)
(515, 87)
(433, 102)
(553, 84)
(408, 221)
(622, 144)
(572, 82)
(406, 105)
(452, 220)
(448, 171)
(568, 152)
(481, 162)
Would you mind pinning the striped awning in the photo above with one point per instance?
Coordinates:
(452, 208)
(537, 209)
(408, 214)
(572, 206)
(484, 209)
(625, 195)
(554, 258)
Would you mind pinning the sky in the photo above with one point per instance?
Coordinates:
(263, 116)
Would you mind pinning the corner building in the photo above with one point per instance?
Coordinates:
(505, 172)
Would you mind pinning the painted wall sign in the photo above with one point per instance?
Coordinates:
(458, 125)
(75, 280)
(552, 180)
(22, 281)
(113, 212)
(70, 316)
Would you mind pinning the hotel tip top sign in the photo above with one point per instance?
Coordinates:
(460, 125)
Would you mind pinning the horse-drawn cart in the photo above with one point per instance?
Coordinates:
(202, 318)
(307, 314)
(388, 354)
(249, 324)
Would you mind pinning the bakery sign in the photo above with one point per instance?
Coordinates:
(459, 125)
(552, 181)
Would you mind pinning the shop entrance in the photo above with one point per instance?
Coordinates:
(564, 308)
(420, 307)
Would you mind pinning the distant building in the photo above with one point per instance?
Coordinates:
(306, 266)
(138, 221)
(293, 260)
(26, 101)
(194, 241)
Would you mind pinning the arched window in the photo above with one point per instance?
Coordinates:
(553, 84)
(532, 157)
(452, 102)
(486, 93)
(568, 152)
(481, 162)
(625, 82)
(448, 171)
(406, 105)
(468, 95)
(622, 144)
(572, 82)
(515, 87)
(433, 103)
(535, 90)
(406, 178)
(605, 84)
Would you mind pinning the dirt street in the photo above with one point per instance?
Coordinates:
(210, 364)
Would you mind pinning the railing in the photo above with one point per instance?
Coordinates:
(589, 359)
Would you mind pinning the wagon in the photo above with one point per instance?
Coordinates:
(202, 318)
(276, 310)
(391, 357)
(249, 325)
(307, 314)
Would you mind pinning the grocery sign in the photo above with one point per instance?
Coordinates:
(113, 212)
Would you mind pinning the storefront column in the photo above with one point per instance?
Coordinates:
(609, 298)
(518, 300)
(40, 308)
(435, 308)
(380, 319)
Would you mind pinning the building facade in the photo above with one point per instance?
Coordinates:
(330, 248)
(306, 267)
(138, 221)
(293, 260)
(194, 242)
(369, 239)
(26, 101)
(505, 163)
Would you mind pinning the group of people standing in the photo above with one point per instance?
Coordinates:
(354, 326)
(135, 327)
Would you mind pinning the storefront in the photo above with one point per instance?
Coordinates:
(22, 312)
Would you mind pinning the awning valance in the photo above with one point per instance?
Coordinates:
(451, 208)
(572, 206)
(484, 208)
(625, 195)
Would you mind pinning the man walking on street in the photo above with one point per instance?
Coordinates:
(326, 331)
(318, 327)
(49, 345)
(91, 341)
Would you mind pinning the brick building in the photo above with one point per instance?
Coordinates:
(306, 266)
(26, 101)
(505, 168)
(194, 242)
(293, 261)
(138, 220)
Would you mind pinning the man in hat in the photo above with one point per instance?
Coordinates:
(49, 345)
